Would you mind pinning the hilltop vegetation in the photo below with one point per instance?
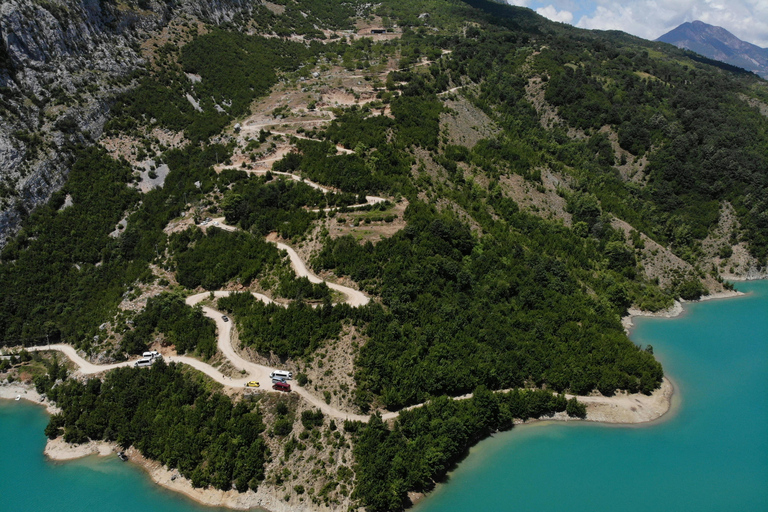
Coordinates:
(480, 291)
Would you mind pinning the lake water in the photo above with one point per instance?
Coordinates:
(31, 483)
(709, 454)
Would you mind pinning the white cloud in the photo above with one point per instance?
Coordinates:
(552, 13)
(746, 19)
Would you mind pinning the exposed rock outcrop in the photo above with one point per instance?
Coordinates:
(61, 64)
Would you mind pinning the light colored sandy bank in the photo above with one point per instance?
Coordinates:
(26, 392)
(172, 480)
(675, 310)
(622, 408)
(630, 408)
(721, 295)
(58, 449)
(11, 391)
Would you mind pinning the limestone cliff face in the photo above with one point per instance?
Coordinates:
(61, 63)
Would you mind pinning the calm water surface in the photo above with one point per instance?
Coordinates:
(709, 454)
(31, 483)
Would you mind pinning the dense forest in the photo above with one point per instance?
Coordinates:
(475, 291)
(508, 315)
(171, 417)
(266, 205)
(288, 332)
(185, 328)
(213, 259)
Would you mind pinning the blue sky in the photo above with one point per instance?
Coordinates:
(746, 19)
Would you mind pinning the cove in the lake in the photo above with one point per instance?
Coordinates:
(709, 454)
(32, 483)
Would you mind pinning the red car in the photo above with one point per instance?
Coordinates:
(281, 386)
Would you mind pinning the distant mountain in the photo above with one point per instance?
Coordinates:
(719, 44)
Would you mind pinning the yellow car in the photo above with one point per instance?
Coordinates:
(252, 384)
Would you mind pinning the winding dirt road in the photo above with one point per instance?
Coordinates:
(355, 298)
(369, 200)
(250, 370)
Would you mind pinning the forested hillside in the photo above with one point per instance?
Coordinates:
(502, 188)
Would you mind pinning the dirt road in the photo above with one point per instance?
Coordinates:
(618, 409)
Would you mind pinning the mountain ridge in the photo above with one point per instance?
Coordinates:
(719, 44)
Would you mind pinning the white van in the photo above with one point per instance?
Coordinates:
(151, 355)
(281, 374)
(143, 362)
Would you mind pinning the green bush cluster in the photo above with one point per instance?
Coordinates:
(188, 329)
(294, 331)
(384, 171)
(216, 257)
(265, 205)
(168, 417)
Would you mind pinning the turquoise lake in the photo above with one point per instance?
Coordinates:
(709, 454)
(31, 483)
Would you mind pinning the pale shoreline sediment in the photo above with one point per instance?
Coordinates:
(675, 310)
(60, 450)
(26, 392)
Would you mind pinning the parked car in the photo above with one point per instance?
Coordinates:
(281, 386)
(252, 384)
(225, 318)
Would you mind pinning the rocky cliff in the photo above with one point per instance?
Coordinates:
(61, 63)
